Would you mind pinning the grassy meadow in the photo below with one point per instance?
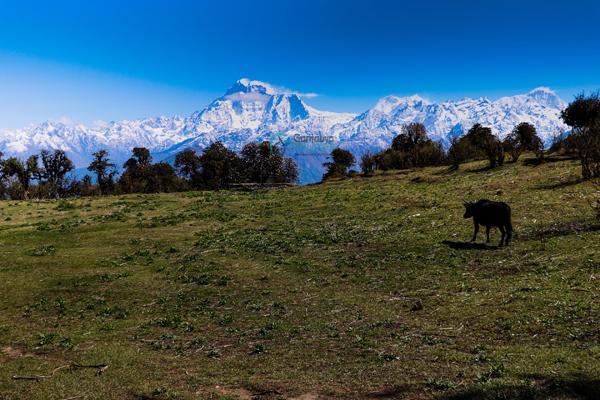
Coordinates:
(364, 288)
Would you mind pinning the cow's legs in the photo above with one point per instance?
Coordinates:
(475, 232)
(487, 233)
(503, 235)
(508, 235)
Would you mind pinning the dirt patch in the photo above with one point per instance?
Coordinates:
(245, 394)
(307, 396)
(238, 393)
(13, 353)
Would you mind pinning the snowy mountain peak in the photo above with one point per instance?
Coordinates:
(449, 119)
(251, 106)
(388, 104)
(245, 85)
(414, 99)
(547, 97)
(542, 89)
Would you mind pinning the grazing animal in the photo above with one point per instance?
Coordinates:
(490, 213)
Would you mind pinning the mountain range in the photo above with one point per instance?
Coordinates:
(252, 111)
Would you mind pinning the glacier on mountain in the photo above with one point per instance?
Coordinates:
(252, 111)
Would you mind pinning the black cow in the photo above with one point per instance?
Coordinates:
(490, 213)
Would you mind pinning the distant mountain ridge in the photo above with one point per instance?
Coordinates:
(252, 111)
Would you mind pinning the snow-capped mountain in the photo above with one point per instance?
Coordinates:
(540, 107)
(79, 141)
(253, 111)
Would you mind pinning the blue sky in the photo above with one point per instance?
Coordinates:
(106, 60)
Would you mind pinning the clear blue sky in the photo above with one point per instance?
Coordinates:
(103, 60)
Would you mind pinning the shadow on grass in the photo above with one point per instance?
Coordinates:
(446, 171)
(559, 184)
(561, 229)
(533, 162)
(482, 169)
(576, 387)
(468, 245)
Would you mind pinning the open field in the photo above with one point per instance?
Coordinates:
(362, 288)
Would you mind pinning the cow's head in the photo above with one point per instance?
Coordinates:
(469, 206)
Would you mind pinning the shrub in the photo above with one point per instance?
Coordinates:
(368, 163)
(523, 137)
(411, 148)
(460, 151)
(341, 161)
(487, 143)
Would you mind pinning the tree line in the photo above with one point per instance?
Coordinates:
(47, 175)
(413, 148)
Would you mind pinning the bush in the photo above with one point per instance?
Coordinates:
(461, 150)
(487, 143)
(368, 163)
(411, 148)
(523, 137)
(341, 161)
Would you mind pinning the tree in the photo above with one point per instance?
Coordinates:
(21, 174)
(140, 158)
(134, 178)
(411, 148)
(342, 160)
(104, 170)
(583, 111)
(265, 163)
(162, 178)
(412, 136)
(368, 163)
(482, 138)
(523, 137)
(289, 172)
(141, 176)
(2, 177)
(55, 166)
(87, 188)
(427, 153)
(460, 151)
(583, 116)
(219, 166)
(189, 167)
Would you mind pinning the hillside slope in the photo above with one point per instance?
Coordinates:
(363, 288)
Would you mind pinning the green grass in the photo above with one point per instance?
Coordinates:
(352, 289)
